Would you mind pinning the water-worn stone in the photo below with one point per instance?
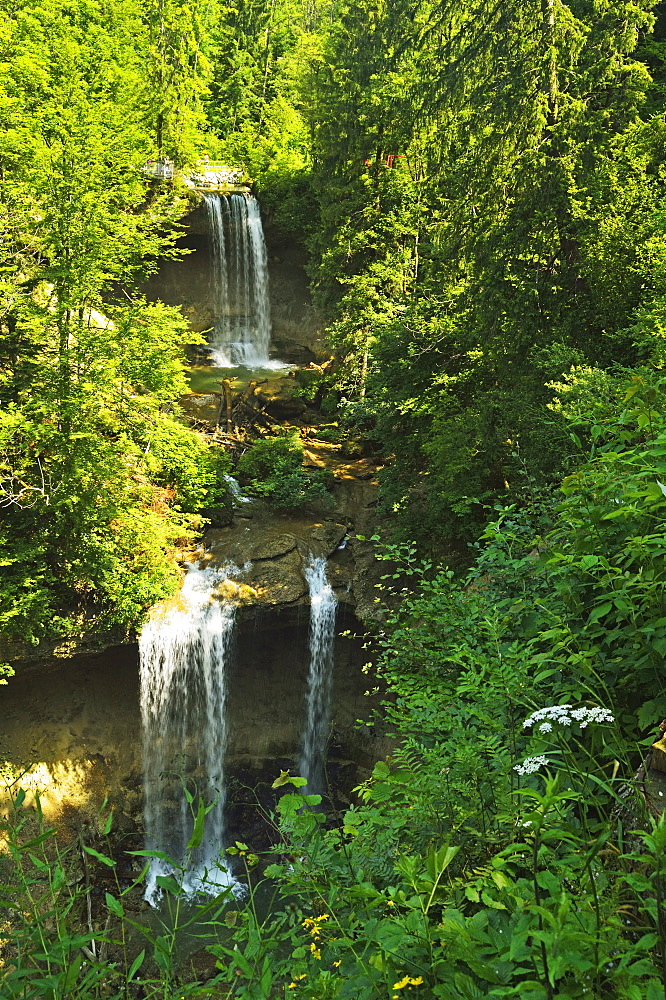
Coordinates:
(327, 536)
(278, 581)
(270, 547)
(277, 549)
(280, 398)
(248, 539)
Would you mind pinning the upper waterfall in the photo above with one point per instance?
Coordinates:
(242, 332)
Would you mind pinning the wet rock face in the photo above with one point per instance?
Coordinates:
(270, 548)
(327, 537)
(278, 582)
(77, 729)
(269, 537)
(273, 552)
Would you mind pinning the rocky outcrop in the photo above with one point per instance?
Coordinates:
(267, 556)
(267, 553)
(74, 733)
(297, 326)
(281, 398)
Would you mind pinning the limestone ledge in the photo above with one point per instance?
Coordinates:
(272, 551)
(267, 557)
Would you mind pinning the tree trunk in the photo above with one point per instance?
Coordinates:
(226, 386)
(550, 59)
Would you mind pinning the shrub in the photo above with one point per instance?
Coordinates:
(184, 461)
(273, 469)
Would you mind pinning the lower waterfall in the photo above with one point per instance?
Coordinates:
(184, 649)
(320, 674)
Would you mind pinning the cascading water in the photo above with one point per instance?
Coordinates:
(216, 208)
(184, 650)
(242, 332)
(320, 675)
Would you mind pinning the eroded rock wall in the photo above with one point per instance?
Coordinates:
(76, 730)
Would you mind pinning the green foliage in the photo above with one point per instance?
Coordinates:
(488, 214)
(192, 467)
(48, 950)
(464, 870)
(273, 469)
(481, 188)
(500, 850)
(259, 58)
(607, 544)
(99, 479)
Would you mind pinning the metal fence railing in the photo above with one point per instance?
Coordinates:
(162, 169)
(205, 173)
(211, 172)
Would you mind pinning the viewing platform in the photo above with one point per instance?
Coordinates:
(205, 175)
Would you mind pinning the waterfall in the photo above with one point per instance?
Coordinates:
(220, 276)
(184, 649)
(320, 675)
(242, 333)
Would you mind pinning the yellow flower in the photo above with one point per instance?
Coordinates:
(336, 964)
(315, 950)
(407, 981)
(389, 902)
(292, 986)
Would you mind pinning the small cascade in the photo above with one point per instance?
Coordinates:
(235, 490)
(242, 332)
(184, 649)
(320, 675)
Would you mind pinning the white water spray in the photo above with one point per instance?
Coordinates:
(320, 676)
(242, 332)
(184, 650)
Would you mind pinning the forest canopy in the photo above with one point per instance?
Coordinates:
(479, 188)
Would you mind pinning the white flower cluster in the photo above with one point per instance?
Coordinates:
(565, 715)
(531, 765)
